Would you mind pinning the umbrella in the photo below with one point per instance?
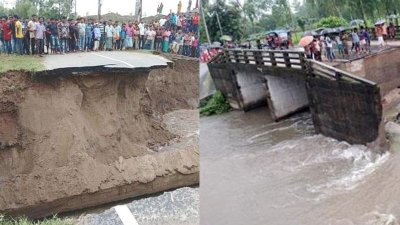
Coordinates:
(310, 33)
(338, 30)
(306, 40)
(326, 31)
(355, 23)
(379, 22)
(226, 38)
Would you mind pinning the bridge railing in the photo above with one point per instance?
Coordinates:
(290, 59)
(330, 72)
(285, 59)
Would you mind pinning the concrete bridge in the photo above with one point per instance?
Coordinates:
(343, 105)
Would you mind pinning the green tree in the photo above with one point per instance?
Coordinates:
(230, 17)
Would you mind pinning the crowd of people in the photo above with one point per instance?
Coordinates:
(356, 42)
(175, 33)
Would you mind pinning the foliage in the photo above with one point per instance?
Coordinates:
(46, 8)
(259, 16)
(230, 19)
(24, 221)
(302, 24)
(217, 104)
(331, 22)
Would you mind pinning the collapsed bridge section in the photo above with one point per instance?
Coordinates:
(77, 137)
(343, 106)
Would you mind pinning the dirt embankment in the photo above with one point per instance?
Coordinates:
(83, 140)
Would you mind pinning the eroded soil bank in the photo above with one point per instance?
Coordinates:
(75, 141)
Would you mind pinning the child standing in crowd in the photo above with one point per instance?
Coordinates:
(122, 37)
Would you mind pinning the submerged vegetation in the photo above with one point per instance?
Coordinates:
(217, 104)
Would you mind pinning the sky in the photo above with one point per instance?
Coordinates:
(123, 7)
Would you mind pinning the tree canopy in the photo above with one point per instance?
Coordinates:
(255, 16)
(46, 8)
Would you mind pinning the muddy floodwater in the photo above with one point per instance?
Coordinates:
(255, 171)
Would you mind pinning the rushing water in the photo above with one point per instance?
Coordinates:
(255, 171)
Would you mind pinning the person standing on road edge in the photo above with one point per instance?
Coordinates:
(82, 33)
(109, 36)
(97, 37)
(53, 30)
(18, 35)
(7, 35)
(31, 28)
(141, 34)
(88, 35)
(63, 31)
(40, 34)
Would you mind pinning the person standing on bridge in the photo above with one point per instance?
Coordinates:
(379, 33)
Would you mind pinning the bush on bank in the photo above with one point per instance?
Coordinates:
(217, 104)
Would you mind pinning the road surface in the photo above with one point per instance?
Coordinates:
(178, 207)
(117, 59)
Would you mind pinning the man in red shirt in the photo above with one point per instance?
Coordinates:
(7, 35)
(196, 22)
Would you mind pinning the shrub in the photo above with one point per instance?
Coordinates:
(331, 22)
(217, 104)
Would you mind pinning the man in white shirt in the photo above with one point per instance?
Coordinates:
(32, 33)
(39, 35)
(141, 34)
(162, 21)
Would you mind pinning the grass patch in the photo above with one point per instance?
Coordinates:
(20, 63)
(217, 104)
(24, 221)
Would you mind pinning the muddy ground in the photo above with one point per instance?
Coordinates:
(76, 141)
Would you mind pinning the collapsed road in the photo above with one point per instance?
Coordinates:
(95, 128)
